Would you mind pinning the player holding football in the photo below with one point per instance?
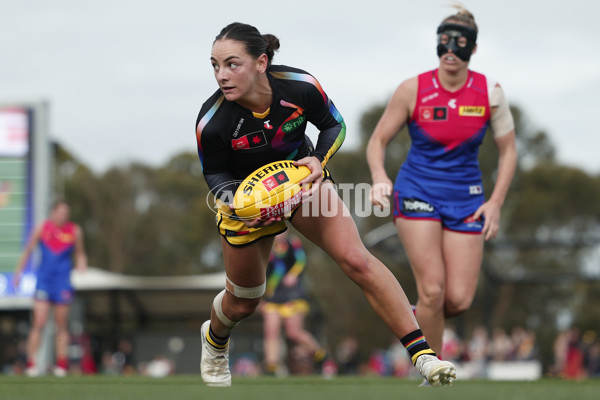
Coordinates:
(259, 115)
(440, 210)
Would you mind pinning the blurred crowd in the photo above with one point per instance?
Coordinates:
(83, 360)
(576, 355)
(480, 347)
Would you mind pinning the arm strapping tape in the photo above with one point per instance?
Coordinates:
(501, 121)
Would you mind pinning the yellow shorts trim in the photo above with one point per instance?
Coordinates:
(236, 233)
(289, 309)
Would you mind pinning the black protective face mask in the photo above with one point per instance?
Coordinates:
(453, 32)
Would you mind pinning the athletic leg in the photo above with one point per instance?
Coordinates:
(463, 254)
(41, 310)
(333, 230)
(271, 339)
(61, 318)
(294, 330)
(245, 268)
(337, 235)
(422, 241)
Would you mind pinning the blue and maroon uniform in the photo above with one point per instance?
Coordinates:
(440, 179)
(57, 244)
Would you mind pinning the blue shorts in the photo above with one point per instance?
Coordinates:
(451, 203)
(54, 293)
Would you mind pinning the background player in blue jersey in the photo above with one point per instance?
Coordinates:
(284, 303)
(259, 115)
(440, 211)
(60, 241)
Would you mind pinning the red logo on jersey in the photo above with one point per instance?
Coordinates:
(433, 113)
(249, 141)
(268, 125)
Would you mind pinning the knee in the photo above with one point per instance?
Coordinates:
(293, 335)
(356, 264)
(241, 308)
(38, 324)
(431, 295)
(455, 307)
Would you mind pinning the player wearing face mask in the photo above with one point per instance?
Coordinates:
(440, 211)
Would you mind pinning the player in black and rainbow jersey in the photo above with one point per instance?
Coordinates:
(440, 211)
(285, 303)
(259, 115)
(245, 140)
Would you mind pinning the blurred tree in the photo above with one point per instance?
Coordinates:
(158, 221)
(140, 220)
(549, 234)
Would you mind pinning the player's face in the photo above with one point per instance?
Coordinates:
(235, 70)
(450, 61)
(60, 214)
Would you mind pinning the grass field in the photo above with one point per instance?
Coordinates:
(345, 388)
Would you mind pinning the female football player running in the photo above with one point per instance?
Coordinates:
(259, 115)
(440, 210)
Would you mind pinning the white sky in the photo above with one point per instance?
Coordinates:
(125, 79)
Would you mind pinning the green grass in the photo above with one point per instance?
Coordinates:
(343, 388)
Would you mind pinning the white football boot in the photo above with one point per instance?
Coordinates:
(32, 371)
(59, 372)
(214, 364)
(436, 371)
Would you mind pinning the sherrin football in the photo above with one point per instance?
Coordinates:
(273, 190)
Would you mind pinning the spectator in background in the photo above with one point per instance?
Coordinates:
(500, 346)
(60, 240)
(478, 346)
(451, 345)
(573, 368)
(284, 303)
(524, 344)
(399, 361)
(561, 343)
(347, 355)
(592, 360)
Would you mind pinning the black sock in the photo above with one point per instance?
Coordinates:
(417, 345)
(219, 343)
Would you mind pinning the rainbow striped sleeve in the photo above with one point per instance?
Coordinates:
(296, 76)
(275, 277)
(300, 257)
(341, 136)
(202, 123)
(333, 131)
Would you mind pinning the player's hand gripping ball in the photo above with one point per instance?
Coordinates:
(271, 191)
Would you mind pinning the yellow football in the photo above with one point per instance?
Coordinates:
(272, 190)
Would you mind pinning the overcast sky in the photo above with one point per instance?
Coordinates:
(125, 79)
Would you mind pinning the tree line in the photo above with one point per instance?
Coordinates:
(146, 220)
